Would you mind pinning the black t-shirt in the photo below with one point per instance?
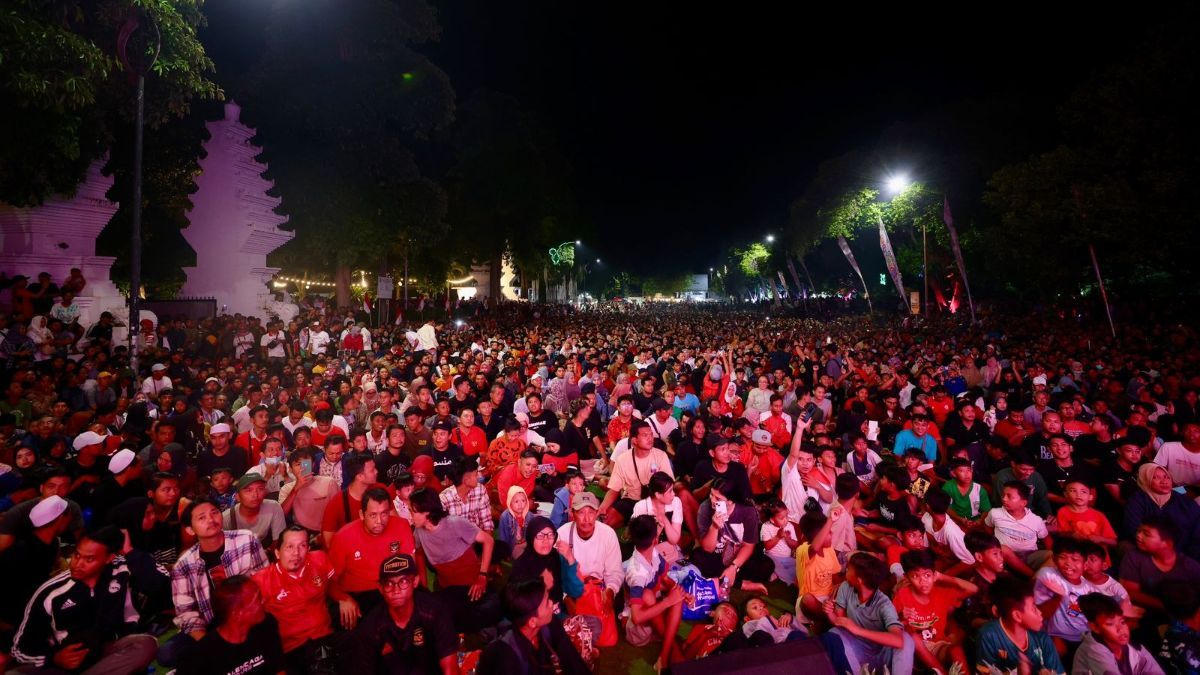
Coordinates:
(260, 654)
(891, 509)
(577, 440)
(234, 459)
(1088, 448)
(1056, 476)
(457, 406)
(443, 461)
(735, 473)
(390, 466)
(962, 435)
(543, 422)
(687, 454)
(378, 645)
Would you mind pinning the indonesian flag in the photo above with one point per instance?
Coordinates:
(366, 303)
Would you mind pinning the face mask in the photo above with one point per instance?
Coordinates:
(272, 461)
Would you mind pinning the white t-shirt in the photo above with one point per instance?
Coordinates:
(1020, 535)
(318, 342)
(770, 530)
(662, 429)
(1068, 621)
(950, 535)
(1183, 466)
(153, 386)
(674, 510)
(276, 352)
(795, 493)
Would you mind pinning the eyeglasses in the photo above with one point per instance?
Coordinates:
(546, 536)
(399, 582)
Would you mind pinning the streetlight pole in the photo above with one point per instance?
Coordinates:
(925, 266)
(144, 56)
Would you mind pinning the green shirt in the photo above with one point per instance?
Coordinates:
(995, 648)
(972, 505)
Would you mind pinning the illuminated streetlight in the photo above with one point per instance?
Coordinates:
(770, 238)
(578, 243)
(897, 184)
(597, 261)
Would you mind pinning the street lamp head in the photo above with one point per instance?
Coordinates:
(770, 238)
(897, 184)
(578, 242)
(597, 261)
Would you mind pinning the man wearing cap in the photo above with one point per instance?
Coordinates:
(52, 482)
(631, 473)
(152, 386)
(217, 555)
(84, 617)
(318, 339)
(220, 454)
(28, 562)
(412, 632)
(253, 511)
(100, 391)
(88, 467)
(358, 549)
(594, 545)
(124, 481)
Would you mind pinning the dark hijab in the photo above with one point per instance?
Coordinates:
(530, 564)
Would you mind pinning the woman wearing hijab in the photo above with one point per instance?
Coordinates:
(42, 338)
(544, 559)
(1156, 496)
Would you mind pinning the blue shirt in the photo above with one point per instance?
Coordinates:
(907, 439)
(996, 648)
(688, 402)
(877, 613)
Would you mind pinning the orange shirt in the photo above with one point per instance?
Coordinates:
(618, 429)
(357, 555)
(503, 452)
(298, 601)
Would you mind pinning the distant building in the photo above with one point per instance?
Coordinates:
(697, 289)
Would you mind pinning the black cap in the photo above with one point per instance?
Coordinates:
(443, 426)
(587, 388)
(401, 565)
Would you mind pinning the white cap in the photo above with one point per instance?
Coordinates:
(47, 511)
(212, 379)
(219, 428)
(1040, 379)
(87, 438)
(121, 461)
(158, 367)
(761, 437)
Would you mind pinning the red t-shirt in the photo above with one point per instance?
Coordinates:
(472, 442)
(928, 621)
(343, 503)
(319, 438)
(298, 602)
(1090, 523)
(356, 555)
(510, 476)
(253, 446)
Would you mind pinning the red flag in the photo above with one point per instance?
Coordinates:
(366, 303)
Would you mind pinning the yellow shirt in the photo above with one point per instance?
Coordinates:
(816, 574)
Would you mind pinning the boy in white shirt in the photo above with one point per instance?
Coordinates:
(1018, 529)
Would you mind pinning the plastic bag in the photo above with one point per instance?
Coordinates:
(705, 592)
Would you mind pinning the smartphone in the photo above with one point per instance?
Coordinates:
(828, 340)
(872, 430)
(545, 468)
(807, 413)
(306, 467)
(719, 507)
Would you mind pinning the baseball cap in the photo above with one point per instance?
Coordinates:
(1040, 379)
(249, 479)
(121, 461)
(47, 511)
(104, 373)
(87, 438)
(443, 426)
(157, 368)
(401, 565)
(761, 437)
(220, 428)
(212, 379)
(584, 500)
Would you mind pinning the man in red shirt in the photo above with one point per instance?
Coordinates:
(360, 547)
(294, 590)
(346, 506)
(763, 464)
(252, 441)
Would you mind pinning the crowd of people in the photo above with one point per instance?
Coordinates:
(524, 491)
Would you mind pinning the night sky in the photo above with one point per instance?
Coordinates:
(693, 126)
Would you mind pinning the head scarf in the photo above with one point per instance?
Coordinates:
(530, 564)
(1144, 477)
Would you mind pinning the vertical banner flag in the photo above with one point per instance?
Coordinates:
(962, 267)
(1103, 291)
(889, 257)
(845, 246)
(782, 283)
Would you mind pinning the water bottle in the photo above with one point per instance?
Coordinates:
(724, 587)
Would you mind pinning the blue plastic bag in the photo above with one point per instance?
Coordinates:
(705, 592)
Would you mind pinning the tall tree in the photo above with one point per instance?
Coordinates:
(340, 99)
(68, 97)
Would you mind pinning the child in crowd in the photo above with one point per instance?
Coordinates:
(891, 502)
(405, 485)
(1057, 589)
(511, 530)
(925, 604)
(1180, 648)
(912, 538)
(969, 501)
(867, 630)
(920, 475)
(655, 602)
(1106, 648)
(842, 536)
(862, 460)
(221, 488)
(988, 568)
(817, 564)
(1015, 639)
(1018, 529)
(945, 536)
(779, 540)
(1095, 562)
(1079, 519)
(720, 635)
(758, 620)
